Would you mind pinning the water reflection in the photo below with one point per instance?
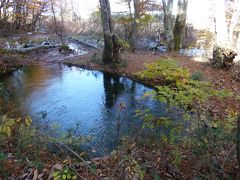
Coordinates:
(70, 96)
(112, 88)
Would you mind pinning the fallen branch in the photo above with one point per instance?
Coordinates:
(29, 49)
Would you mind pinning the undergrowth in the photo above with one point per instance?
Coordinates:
(187, 96)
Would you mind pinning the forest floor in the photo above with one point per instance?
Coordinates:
(124, 165)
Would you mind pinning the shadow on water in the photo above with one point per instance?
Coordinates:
(102, 105)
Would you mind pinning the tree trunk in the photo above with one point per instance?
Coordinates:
(180, 24)
(135, 24)
(168, 23)
(55, 24)
(110, 51)
(221, 25)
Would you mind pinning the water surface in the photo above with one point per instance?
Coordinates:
(95, 102)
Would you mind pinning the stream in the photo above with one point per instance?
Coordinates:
(88, 103)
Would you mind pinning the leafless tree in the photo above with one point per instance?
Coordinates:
(111, 45)
(180, 24)
(168, 22)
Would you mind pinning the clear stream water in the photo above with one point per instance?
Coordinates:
(74, 97)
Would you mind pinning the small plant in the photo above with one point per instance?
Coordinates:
(197, 76)
(133, 169)
(66, 173)
(124, 44)
(177, 157)
(9, 125)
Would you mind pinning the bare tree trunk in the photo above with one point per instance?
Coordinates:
(55, 23)
(110, 51)
(18, 19)
(233, 33)
(180, 23)
(168, 23)
(135, 24)
(221, 25)
(128, 34)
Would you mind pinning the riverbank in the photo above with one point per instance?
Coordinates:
(130, 65)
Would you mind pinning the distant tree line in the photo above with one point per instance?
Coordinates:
(22, 15)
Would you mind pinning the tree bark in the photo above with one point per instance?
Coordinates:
(110, 52)
(221, 25)
(180, 24)
(135, 23)
(168, 23)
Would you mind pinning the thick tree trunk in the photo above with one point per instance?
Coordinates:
(110, 52)
(168, 23)
(180, 24)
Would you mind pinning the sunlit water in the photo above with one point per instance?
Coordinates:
(67, 97)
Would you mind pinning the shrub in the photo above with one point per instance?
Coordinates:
(124, 44)
(197, 76)
(211, 142)
(176, 86)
